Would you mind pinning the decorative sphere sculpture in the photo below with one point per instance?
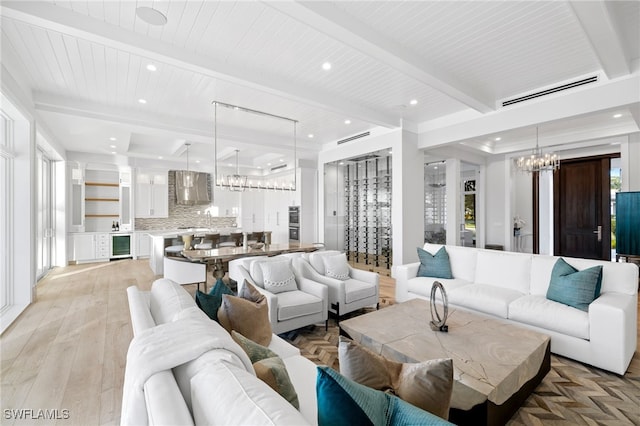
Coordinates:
(438, 323)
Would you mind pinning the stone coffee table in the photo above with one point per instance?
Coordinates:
(496, 364)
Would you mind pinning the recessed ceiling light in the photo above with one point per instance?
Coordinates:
(617, 115)
(347, 121)
(230, 164)
(198, 161)
(112, 138)
(498, 138)
(112, 146)
(268, 164)
(160, 157)
(310, 135)
(113, 152)
(151, 67)
(142, 101)
(326, 66)
(390, 152)
(281, 160)
(259, 167)
(151, 16)
(341, 163)
(413, 102)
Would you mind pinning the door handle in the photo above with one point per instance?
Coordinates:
(599, 232)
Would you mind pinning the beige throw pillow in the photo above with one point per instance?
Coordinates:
(427, 385)
(247, 314)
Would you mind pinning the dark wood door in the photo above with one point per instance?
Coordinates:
(582, 217)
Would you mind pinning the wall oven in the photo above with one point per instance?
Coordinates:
(294, 224)
(120, 246)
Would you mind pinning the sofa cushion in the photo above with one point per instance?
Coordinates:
(572, 287)
(293, 304)
(210, 303)
(541, 267)
(504, 269)
(336, 266)
(342, 401)
(278, 276)
(434, 265)
(303, 376)
(484, 298)
(544, 313)
(269, 368)
(427, 384)
(463, 262)
(249, 316)
(357, 290)
(422, 285)
(243, 400)
(168, 299)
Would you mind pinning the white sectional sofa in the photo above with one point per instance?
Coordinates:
(513, 287)
(218, 386)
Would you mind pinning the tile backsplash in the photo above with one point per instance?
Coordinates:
(184, 216)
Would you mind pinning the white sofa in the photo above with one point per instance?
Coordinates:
(217, 387)
(513, 287)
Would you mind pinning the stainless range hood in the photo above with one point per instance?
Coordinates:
(195, 194)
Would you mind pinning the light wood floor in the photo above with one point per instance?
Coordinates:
(67, 351)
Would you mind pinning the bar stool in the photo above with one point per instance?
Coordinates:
(235, 240)
(209, 241)
(175, 250)
(256, 237)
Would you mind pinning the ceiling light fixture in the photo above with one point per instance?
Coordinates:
(310, 135)
(151, 16)
(160, 157)
(237, 182)
(142, 101)
(413, 102)
(347, 121)
(151, 67)
(112, 138)
(112, 146)
(188, 177)
(537, 162)
(617, 115)
(498, 139)
(326, 66)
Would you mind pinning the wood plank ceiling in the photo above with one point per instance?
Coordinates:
(85, 62)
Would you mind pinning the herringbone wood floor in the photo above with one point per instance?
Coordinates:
(67, 351)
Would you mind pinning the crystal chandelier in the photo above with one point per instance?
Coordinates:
(237, 182)
(537, 162)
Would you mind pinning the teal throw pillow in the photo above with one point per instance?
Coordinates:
(434, 265)
(210, 303)
(344, 402)
(572, 287)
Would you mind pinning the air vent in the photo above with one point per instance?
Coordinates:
(282, 166)
(363, 158)
(349, 139)
(551, 90)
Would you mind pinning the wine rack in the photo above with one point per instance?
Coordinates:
(367, 239)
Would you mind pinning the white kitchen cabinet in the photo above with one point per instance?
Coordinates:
(152, 194)
(90, 247)
(276, 216)
(143, 244)
(252, 213)
(76, 211)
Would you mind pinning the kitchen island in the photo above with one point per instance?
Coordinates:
(161, 239)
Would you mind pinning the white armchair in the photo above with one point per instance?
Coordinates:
(349, 288)
(300, 305)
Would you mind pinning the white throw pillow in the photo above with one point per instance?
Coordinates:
(278, 276)
(336, 266)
